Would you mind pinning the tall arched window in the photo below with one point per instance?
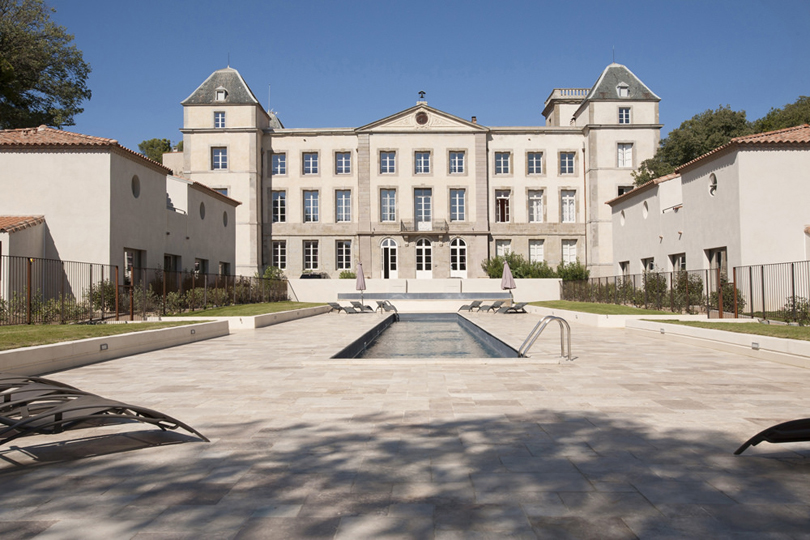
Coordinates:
(458, 258)
(424, 259)
(389, 258)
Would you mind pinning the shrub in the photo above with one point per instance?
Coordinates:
(796, 309)
(572, 272)
(348, 274)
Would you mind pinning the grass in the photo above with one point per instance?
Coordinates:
(772, 330)
(248, 310)
(15, 337)
(599, 309)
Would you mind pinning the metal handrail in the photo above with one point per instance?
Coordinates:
(565, 331)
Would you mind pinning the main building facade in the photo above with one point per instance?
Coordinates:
(421, 193)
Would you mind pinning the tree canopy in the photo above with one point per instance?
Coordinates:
(793, 114)
(154, 148)
(43, 77)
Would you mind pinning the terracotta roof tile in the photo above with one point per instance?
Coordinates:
(798, 135)
(11, 224)
(44, 136)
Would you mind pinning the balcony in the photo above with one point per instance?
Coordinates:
(572, 94)
(437, 227)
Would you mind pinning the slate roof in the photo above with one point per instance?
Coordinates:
(611, 77)
(238, 92)
(798, 135)
(12, 224)
(48, 137)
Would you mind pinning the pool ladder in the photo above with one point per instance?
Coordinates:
(565, 332)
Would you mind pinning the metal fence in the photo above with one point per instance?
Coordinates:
(52, 291)
(778, 291)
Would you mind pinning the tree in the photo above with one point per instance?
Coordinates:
(700, 134)
(43, 77)
(793, 114)
(154, 148)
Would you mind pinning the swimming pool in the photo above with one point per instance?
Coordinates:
(427, 335)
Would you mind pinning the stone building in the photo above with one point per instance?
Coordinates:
(421, 193)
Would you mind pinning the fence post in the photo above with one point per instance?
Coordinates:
(143, 306)
(688, 299)
(62, 295)
(205, 291)
(734, 291)
(751, 288)
(165, 278)
(762, 275)
(91, 292)
(793, 287)
(103, 292)
(116, 292)
(708, 300)
(28, 291)
(719, 294)
(672, 292)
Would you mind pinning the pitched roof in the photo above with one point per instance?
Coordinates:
(642, 188)
(48, 137)
(228, 79)
(797, 135)
(12, 224)
(606, 86)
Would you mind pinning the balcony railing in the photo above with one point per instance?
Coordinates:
(568, 93)
(438, 226)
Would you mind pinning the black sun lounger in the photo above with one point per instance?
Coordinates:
(360, 307)
(793, 431)
(517, 308)
(335, 307)
(494, 306)
(469, 307)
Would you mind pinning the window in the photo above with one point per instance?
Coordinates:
(623, 90)
(569, 251)
(625, 154)
(224, 268)
(457, 206)
(171, 263)
(388, 162)
(678, 262)
(219, 119)
(343, 163)
(388, 205)
(424, 252)
(458, 255)
(624, 115)
(502, 205)
(343, 206)
(535, 206)
(279, 257)
(625, 189)
(718, 259)
(535, 162)
(568, 204)
(310, 254)
(279, 164)
(221, 190)
(219, 158)
(310, 163)
(343, 254)
(279, 207)
(624, 268)
(536, 251)
(221, 94)
(648, 265)
(423, 208)
(503, 248)
(566, 162)
(502, 162)
(310, 206)
(456, 162)
(421, 162)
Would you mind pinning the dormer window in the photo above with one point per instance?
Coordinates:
(623, 89)
(221, 94)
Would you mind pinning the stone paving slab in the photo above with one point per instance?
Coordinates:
(633, 439)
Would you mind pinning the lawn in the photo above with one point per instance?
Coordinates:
(24, 335)
(599, 309)
(248, 310)
(772, 330)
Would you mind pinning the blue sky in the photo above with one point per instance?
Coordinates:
(345, 64)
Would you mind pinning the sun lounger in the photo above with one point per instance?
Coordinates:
(793, 431)
(517, 308)
(495, 306)
(335, 307)
(351, 311)
(388, 306)
(469, 307)
(34, 405)
(361, 307)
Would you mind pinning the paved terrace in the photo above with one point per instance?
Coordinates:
(632, 439)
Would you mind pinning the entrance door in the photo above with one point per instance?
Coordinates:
(422, 209)
(389, 259)
(424, 259)
(458, 259)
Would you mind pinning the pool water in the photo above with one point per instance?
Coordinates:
(435, 336)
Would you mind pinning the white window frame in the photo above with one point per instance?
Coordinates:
(624, 115)
(388, 205)
(502, 210)
(279, 255)
(388, 162)
(568, 162)
(310, 162)
(503, 248)
(279, 206)
(458, 204)
(343, 206)
(534, 163)
(503, 162)
(219, 119)
(624, 155)
(343, 254)
(537, 250)
(458, 258)
(568, 206)
(310, 254)
(311, 206)
(535, 201)
(568, 251)
(278, 164)
(421, 162)
(343, 162)
(457, 158)
(219, 158)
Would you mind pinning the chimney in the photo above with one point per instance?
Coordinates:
(474, 120)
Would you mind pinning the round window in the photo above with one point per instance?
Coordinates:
(224, 219)
(202, 210)
(136, 186)
(645, 210)
(712, 184)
